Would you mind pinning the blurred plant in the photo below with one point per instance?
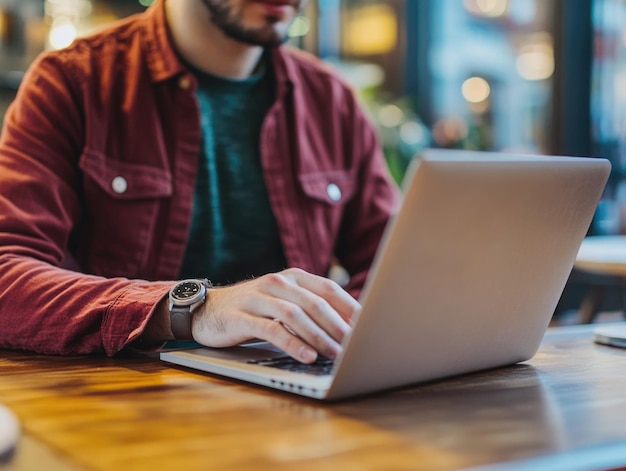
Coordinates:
(402, 133)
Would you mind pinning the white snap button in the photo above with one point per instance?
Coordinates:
(333, 192)
(119, 185)
(184, 82)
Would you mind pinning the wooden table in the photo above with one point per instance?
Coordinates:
(604, 255)
(603, 260)
(564, 409)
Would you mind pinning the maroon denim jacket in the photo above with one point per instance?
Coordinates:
(98, 156)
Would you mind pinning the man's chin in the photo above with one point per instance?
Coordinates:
(266, 37)
(251, 26)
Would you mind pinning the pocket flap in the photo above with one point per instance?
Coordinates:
(332, 187)
(126, 180)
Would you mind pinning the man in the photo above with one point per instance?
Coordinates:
(185, 142)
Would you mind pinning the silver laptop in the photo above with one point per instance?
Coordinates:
(467, 277)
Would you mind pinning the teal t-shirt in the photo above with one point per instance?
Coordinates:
(233, 235)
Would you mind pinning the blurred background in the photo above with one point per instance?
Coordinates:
(531, 76)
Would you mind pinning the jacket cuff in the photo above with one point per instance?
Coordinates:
(129, 314)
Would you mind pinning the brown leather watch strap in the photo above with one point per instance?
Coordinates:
(180, 319)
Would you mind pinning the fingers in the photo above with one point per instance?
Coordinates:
(344, 304)
(301, 309)
(296, 321)
(314, 314)
(218, 328)
(293, 345)
(314, 308)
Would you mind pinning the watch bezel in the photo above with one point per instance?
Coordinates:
(199, 296)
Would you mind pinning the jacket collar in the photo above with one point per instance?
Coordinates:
(161, 57)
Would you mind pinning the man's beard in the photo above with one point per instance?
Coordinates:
(231, 24)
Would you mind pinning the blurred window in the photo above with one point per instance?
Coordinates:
(608, 108)
(28, 27)
(491, 65)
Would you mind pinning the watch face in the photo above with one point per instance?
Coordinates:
(186, 290)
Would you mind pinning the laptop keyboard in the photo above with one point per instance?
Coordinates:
(322, 366)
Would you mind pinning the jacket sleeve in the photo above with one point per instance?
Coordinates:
(373, 204)
(44, 307)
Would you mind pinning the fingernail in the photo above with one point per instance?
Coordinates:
(307, 355)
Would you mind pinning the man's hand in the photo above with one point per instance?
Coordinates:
(300, 313)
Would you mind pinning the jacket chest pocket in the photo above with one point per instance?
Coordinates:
(122, 201)
(326, 195)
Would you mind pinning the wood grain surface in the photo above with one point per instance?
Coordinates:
(137, 413)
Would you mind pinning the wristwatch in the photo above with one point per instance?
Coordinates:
(185, 297)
